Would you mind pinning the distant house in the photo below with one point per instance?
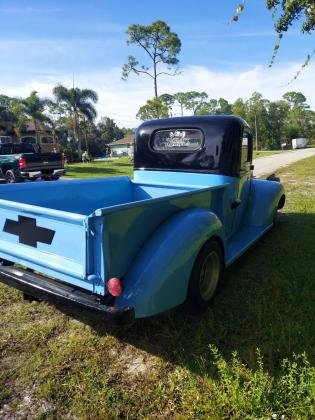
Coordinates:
(7, 129)
(47, 138)
(122, 147)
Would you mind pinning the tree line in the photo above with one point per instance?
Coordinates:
(70, 116)
(273, 122)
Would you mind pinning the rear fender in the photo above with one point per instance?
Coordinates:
(159, 276)
(264, 199)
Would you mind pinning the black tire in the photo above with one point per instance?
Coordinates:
(276, 214)
(206, 276)
(55, 178)
(6, 263)
(11, 178)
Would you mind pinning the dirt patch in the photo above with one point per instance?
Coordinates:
(137, 364)
(25, 405)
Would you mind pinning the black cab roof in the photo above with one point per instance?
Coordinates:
(207, 143)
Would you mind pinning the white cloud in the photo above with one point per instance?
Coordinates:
(121, 100)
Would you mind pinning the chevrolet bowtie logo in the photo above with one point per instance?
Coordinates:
(27, 231)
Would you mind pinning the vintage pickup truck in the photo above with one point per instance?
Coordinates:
(131, 248)
(20, 161)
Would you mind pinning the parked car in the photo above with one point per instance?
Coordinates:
(131, 248)
(20, 161)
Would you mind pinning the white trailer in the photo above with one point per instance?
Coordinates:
(299, 143)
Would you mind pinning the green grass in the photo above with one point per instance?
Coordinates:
(112, 167)
(250, 356)
(264, 153)
(120, 166)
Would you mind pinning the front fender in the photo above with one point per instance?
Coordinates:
(159, 276)
(264, 199)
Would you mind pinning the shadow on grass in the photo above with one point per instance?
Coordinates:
(267, 303)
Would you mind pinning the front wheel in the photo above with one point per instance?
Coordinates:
(206, 276)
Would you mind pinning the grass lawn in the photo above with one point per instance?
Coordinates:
(112, 167)
(119, 166)
(250, 356)
(264, 153)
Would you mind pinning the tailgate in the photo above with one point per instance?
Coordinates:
(40, 161)
(49, 241)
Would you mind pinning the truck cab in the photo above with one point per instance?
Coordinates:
(132, 248)
(201, 150)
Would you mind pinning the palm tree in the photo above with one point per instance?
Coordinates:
(9, 114)
(33, 107)
(79, 102)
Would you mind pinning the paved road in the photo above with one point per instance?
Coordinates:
(270, 164)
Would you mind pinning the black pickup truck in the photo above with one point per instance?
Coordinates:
(20, 161)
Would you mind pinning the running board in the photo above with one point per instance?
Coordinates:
(242, 240)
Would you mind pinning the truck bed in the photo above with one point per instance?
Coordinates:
(85, 231)
(85, 197)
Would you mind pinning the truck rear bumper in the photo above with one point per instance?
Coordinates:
(39, 174)
(62, 295)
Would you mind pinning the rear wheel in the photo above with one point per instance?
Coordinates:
(206, 276)
(11, 178)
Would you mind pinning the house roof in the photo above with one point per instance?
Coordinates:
(126, 140)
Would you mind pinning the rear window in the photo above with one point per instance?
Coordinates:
(23, 148)
(185, 140)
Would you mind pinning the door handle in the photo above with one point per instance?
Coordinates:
(235, 203)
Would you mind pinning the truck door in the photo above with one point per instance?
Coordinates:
(243, 188)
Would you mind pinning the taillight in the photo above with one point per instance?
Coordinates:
(22, 163)
(115, 286)
(62, 160)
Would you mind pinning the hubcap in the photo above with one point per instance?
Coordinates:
(209, 275)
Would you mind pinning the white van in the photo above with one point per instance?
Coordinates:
(299, 143)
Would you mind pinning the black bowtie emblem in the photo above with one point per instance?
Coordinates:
(27, 231)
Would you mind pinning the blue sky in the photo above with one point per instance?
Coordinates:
(45, 42)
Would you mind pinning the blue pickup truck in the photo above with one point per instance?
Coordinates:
(131, 248)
